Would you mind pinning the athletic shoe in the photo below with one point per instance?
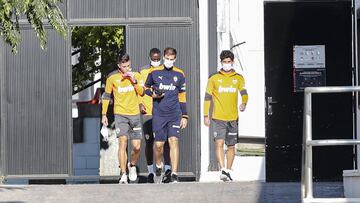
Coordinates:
(167, 176)
(132, 172)
(225, 176)
(123, 179)
(174, 178)
(158, 171)
(150, 178)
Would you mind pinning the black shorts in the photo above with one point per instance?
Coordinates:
(147, 127)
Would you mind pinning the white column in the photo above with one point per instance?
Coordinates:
(223, 26)
(204, 69)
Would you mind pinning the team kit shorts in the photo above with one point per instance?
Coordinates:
(165, 127)
(226, 130)
(128, 125)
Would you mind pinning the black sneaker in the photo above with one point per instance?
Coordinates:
(150, 178)
(158, 171)
(174, 178)
(225, 176)
(167, 176)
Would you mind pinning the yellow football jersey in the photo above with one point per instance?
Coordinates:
(125, 93)
(146, 100)
(223, 89)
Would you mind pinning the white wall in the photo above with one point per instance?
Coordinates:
(238, 21)
(246, 24)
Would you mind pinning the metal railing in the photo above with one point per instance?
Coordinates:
(308, 143)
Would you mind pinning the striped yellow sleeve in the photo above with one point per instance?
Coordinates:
(244, 98)
(142, 84)
(243, 91)
(106, 96)
(105, 105)
(138, 88)
(208, 97)
(182, 97)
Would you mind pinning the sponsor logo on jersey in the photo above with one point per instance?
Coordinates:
(227, 89)
(167, 87)
(129, 88)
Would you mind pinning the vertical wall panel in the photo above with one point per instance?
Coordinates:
(213, 59)
(97, 9)
(2, 134)
(63, 7)
(37, 114)
(140, 40)
(161, 8)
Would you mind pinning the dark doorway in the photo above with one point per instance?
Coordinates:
(300, 23)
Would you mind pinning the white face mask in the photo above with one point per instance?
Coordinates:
(168, 63)
(227, 66)
(155, 63)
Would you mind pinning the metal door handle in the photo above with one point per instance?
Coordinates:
(270, 101)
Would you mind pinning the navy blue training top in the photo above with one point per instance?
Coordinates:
(172, 82)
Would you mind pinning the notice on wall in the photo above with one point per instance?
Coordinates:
(309, 68)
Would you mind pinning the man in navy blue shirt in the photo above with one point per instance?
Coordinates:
(166, 85)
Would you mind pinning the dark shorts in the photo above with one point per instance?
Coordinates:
(165, 127)
(147, 127)
(129, 126)
(226, 130)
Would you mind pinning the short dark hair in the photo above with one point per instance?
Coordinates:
(154, 51)
(123, 58)
(226, 54)
(170, 51)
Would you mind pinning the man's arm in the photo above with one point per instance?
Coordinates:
(244, 94)
(207, 101)
(182, 97)
(208, 97)
(148, 84)
(138, 88)
(141, 98)
(106, 100)
(182, 101)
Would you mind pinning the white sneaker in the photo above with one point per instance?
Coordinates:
(225, 175)
(123, 179)
(132, 172)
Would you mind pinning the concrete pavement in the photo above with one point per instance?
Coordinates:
(187, 192)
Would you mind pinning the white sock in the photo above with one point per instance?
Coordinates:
(159, 166)
(167, 167)
(150, 168)
(224, 169)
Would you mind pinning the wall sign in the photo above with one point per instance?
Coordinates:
(309, 66)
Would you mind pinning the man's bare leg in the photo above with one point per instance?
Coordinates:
(219, 150)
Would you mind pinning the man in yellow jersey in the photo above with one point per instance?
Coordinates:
(122, 83)
(146, 103)
(222, 89)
